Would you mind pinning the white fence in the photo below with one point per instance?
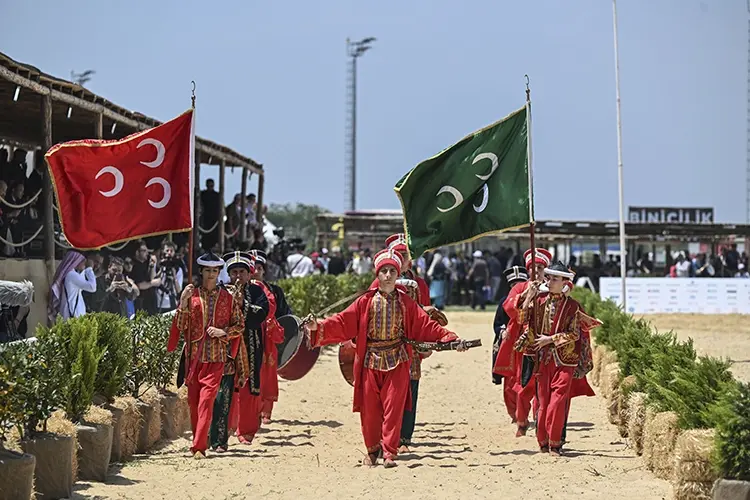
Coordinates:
(681, 295)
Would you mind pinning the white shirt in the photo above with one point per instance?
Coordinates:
(682, 269)
(224, 276)
(75, 283)
(363, 265)
(299, 265)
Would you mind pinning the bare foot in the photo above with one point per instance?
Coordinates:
(388, 463)
(371, 460)
(404, 449)
(266, 420)
(245, 439)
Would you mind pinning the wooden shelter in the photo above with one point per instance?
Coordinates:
(38, 110)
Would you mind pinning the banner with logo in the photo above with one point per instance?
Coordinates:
(680, 295)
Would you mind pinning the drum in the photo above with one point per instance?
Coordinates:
(295, 358)
(347, 351)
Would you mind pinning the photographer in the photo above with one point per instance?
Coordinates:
(170, 276)
(117, 289)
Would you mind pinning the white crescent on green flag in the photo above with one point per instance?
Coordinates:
(478, 186)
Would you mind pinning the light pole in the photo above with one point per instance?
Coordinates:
(354, 50)
(623, 243)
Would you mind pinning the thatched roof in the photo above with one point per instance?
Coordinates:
(21, 120)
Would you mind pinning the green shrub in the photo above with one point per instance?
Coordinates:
(79, 338)
(39, 382)
(314, 293)
(115, 347)
(11, 398)
(732, 417)
(151, 365)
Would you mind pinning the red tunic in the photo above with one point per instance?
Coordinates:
(272, 334)
(353, 323)
(508, 360)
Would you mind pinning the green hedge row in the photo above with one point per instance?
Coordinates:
(699, 389)
(313, 293)
(67, 364)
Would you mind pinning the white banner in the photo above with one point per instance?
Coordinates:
(681, 295)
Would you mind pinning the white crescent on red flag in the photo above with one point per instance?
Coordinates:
(118, 190)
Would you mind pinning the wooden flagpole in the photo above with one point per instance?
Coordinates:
(191, 258)
(530, 165)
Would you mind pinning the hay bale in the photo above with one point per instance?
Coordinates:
(694, 445)
(596, 358)
(98, 415)
(626, 386)
(636, 419)
(53, 471)
(171, 416)
(16, 475)
(609, 380)
(613, 405)
(129, 422)
(695, 471)
(693, 491)
(154, 400)
(59, 424)
(95, 451)
(659, 437)
(184, 407)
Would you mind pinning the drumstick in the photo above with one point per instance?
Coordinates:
(311, 317)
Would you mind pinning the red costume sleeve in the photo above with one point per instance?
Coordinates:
(510, 306)
(421, 327)
(424, 292)
(339, 327)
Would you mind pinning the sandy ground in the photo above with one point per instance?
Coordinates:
(720, 336)
(465, 447)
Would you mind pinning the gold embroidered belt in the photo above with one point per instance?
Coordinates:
(383, 345)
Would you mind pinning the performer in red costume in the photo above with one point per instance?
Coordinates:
(380, 322)
(555, 338)
(513, 363)
(507, 330)
(246, 404)
(209, 319)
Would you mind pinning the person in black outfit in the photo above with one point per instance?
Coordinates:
(513, 275)
(261, 259)
(336, 264)
(209, 214)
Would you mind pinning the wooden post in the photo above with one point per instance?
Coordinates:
(222, 209)
(196, 207)
(259, 199)
(99, 126)
(243, 206)
(47, 193)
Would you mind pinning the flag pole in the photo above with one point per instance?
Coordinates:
(623, 243)
(192, 192)
(530, 169)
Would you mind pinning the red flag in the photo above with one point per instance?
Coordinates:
(113, 191)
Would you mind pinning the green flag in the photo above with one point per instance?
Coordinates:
(478, 186)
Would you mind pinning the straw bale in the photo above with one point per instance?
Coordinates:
(98, 415)
(621, 417)
(659, 437)
(636, 419)
(613, 405)
(694, 471)
(693, 491)
(58, 424)
(153, 430)
(129, 424)
(596, 358)
(609, 379)
(694, 445)
(182, 393)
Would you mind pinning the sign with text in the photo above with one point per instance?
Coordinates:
(680, 295)
(667, 215)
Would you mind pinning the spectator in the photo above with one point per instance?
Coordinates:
(479, 277)
(299, 265)
(496, 273)
(74, 275)
(116, 290)
(144, 275)
(437, 273)
(169, 273)
(682, 267)
(336, 265)
(209, 214)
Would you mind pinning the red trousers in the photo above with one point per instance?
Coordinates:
(553, 394)
(524, 395)
(510, 395)
(383, 403)
(269, 382)
(248, 410)
(202, 390)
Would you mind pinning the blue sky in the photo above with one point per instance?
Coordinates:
(271, 85)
